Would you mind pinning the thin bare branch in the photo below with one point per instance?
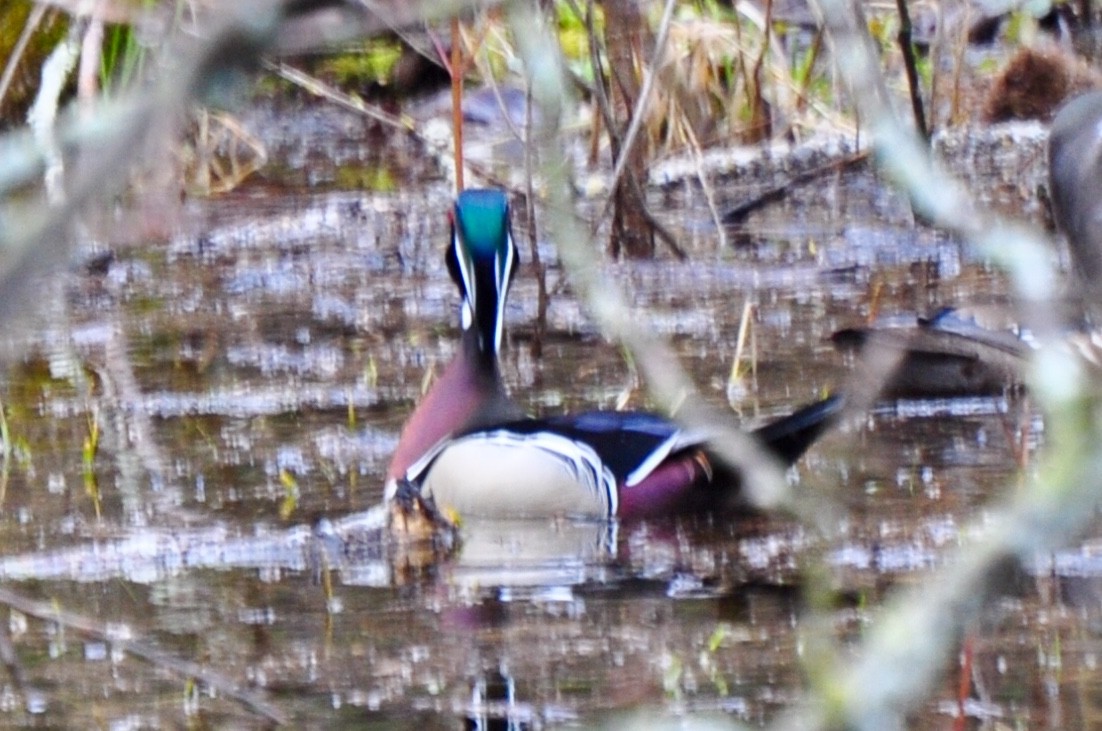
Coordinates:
(639, 112)
(320, 88)
(910, 64)
(33, 21)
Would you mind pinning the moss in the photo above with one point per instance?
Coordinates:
(374, 178)
(370, 65)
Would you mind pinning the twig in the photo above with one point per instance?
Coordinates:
(403, 123)
(734, 380)
(706, 185)
(910, 64)
(758, 115)
(659, 230)
(457, 70)
(600, 93)
(937, 49)
(744, 70)
(33, 21)
(637, 116)
(486, 73)
(644, 98)
(320, 88)
(543, 300)
(140, 457)
(6, 453)
(111, 11)
(956, 107)
(777, 192)
(457, 65)
(117, 133)
(802, 92)
(43, 113)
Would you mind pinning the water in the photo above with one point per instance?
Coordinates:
(191, 428)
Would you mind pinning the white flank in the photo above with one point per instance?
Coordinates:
(504, 473)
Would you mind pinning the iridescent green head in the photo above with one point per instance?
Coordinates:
(482, 260)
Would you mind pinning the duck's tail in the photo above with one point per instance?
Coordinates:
(790, 436)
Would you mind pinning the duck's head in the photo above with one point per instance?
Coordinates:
(482, 260)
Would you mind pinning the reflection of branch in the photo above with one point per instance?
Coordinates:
(140, 457)
(10, 659)
(222, 684)
(907, 647)
(668, 383)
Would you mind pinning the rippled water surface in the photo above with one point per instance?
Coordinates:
(217, 400)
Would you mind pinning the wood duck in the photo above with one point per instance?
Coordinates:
(473, 450)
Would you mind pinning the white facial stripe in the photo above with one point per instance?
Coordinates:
(466, 271)
(503, 281)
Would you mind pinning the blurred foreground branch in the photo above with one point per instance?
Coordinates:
(913, 635)
(100, 147)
